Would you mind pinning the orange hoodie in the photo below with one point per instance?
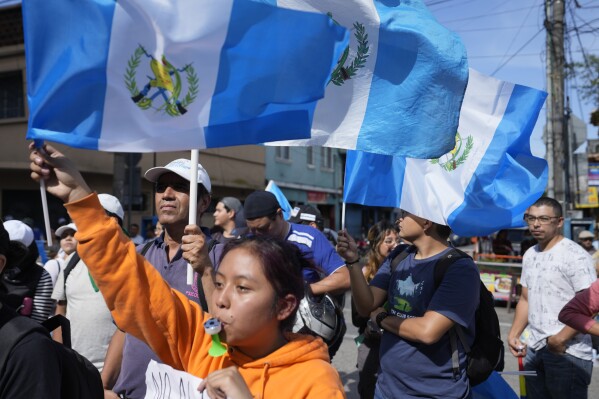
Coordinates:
(144, 305)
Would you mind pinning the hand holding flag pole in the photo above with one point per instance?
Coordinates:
(40, 145)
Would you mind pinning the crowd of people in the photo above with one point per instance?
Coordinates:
(277, 287)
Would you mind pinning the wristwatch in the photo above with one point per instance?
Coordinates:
(380, 317)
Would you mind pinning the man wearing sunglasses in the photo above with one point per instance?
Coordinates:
(178, 245)
(585, 239)
(552, 272)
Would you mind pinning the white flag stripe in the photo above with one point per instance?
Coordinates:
(443, 191)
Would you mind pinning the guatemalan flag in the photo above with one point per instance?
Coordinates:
(484, 184)
(155, 75)
(398, 87)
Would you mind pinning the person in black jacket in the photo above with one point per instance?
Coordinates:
(30, 368)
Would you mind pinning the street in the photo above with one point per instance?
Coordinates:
(345, 359)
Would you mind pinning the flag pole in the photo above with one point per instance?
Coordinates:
(343, 215)
(40, 146)
(193, 200)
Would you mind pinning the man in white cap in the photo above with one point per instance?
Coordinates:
(68, 245)
(180, 243)
(585, 239)
(26, 286)
(80, 301)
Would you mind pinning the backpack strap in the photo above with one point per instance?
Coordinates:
(399, 254)
(456, 332)
(146, 247)
(13, 328)
(447, 260)
(56, 321)
(69, 268)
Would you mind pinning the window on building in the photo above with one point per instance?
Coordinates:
(282, 153)
(326, 161)
(310, 156)
(12, 103)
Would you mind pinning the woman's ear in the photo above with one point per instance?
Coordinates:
(286, 306)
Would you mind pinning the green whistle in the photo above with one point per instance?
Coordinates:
(213, 327)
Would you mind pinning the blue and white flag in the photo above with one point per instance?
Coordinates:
(484, 184)
(283, 202)
(398, 87)
(155, 75)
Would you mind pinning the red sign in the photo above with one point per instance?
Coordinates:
(317, 197)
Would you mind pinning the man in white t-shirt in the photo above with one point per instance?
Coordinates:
(80, 300)
(553, 271)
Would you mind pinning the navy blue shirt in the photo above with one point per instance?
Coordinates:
(415, 370)
(136, 354)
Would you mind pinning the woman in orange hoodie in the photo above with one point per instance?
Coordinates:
(257, 290)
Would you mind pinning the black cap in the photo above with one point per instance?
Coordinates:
(259, 204)
(305, 213)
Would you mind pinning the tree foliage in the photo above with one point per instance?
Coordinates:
(587, 76)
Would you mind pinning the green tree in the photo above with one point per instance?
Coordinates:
(587, 74)
(588, 78)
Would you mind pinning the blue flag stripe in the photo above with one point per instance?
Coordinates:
(71, 95)
(498, 196)
(372, 179)
(419, 82)
(249, 84)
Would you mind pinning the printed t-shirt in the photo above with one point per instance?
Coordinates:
(411, 369)
(553, 277)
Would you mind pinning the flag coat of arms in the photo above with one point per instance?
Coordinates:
(484, 184)
(150, 75)
(397, 88)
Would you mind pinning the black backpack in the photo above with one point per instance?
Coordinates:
(487, 351)
(79, 378)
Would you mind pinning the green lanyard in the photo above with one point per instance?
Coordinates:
(93, 282)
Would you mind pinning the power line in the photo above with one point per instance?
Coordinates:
(485, 15)
(523, 54)
(519, 29)
(516, 53)
(494, 28)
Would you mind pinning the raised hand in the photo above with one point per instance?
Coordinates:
(346, 246)
(195, 248)
(60, 174)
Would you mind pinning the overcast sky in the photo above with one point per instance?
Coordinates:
(506, 39)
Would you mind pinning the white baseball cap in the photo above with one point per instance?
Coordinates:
(19, 231)
(60, 231)
(111, 204)
(182, 167)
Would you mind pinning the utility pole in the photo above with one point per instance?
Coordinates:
(557, 134)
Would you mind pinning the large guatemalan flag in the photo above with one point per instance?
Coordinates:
(484, 184)
(398, 87)
(155, 75)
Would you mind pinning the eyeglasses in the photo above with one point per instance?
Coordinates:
(181, 187)
(542, 219)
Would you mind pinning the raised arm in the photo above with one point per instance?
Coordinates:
(141, 302)
(366, 298)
